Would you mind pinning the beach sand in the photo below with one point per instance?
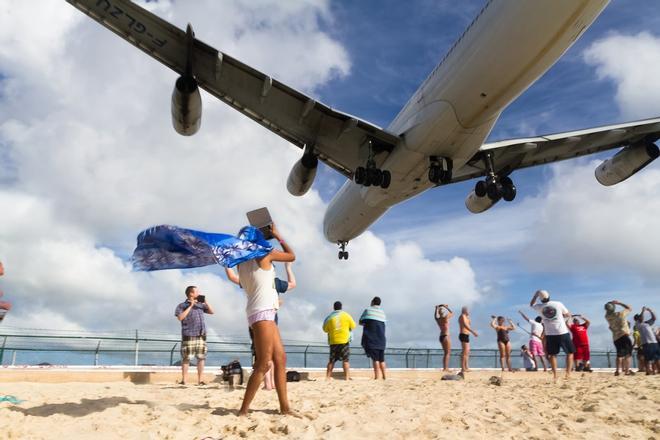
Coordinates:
(526, 406)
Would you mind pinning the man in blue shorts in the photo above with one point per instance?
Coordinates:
(554, 315)
(373, 336)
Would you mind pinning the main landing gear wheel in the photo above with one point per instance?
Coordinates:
(494, 186)
(343, 253)
(440, 170)
(372, 176)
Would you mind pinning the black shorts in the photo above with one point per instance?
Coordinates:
(375, 354)
(555, 342)
(464, 338)
(442, 338)
(623, 346)
(339, 352)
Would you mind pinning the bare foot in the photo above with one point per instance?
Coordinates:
(292, 413)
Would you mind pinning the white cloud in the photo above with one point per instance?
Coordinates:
(632, 63)
(85, 124)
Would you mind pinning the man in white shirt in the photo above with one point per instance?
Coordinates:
(554, 315)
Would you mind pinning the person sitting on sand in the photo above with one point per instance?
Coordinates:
(581, 343)
(649, 342)
(536, 339)
(373, 336)
(464, 337)
(442, 316)
(503, 342)
(338, 325)
(4, 306)
(620, 329)
(528, 359)
(557, 336)
(257, 277)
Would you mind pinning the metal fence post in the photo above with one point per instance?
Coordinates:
(172, 354)
(305, 357)
(407, 357)
(96, 355)
(2, 349)
(609, 362)
(13, 358)
(428, 355)
(137, 347)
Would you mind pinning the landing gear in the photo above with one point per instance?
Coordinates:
(493, 186)
(370, 175)
(440, 170)
(343, 253)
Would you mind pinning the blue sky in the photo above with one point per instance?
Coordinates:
(87, 166)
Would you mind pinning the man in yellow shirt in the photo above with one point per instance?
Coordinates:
(338, 325)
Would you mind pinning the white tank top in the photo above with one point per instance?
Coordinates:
(259, 285)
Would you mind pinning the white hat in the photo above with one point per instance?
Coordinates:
(543, 294)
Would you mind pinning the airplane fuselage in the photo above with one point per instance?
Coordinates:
(504, 51)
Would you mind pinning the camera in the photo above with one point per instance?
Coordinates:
(201, 299)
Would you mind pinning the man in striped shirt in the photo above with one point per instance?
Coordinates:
(373, 336)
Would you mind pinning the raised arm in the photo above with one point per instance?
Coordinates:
(232, 276)
(286, 254)
(493, 322)
(523, 315)
(291, 278)
(436, 315)
(536, 294)
(587, 323)
(625, 306)
(511, 326)
(650, 321)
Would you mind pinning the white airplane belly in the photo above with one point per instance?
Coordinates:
(348, 215)
(508, 47)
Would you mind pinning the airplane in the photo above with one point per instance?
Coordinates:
(438, 136)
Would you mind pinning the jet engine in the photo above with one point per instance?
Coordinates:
(302, 175)
(476, 204)
(186, 106)
(626, 162)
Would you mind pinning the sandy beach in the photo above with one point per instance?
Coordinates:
(526, 405)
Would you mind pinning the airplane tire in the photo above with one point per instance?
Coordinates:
(434, 174)
(509, 192)
(387, 179)
(360, 175)
(445, 176)
(494, 191)
(480, 188)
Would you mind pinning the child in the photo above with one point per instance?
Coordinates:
(528, 359)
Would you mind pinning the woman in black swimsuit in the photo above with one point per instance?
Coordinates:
(503, 339)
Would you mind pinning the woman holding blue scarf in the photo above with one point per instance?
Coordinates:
(258, 280)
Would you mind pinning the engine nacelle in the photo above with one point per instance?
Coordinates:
(186, 106)
(476, 204)
(302, 175)
(626, 162)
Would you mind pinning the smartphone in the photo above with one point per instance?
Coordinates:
(260, 218)
(201, 299)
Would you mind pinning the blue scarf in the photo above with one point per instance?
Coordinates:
(170, 247)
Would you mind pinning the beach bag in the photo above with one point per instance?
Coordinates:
(231, 369)
(292, 376)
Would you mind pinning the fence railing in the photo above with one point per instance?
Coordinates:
(34, 347)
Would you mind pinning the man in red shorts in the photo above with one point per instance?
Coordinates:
(581, 342)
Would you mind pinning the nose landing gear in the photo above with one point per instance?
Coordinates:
(343, 253)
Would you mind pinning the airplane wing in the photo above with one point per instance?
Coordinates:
(513, 154)
(335, 136)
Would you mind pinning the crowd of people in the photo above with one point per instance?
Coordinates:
(550, 333)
